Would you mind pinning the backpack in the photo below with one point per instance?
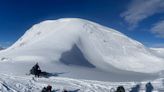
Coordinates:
(120, 89)
(44, 89)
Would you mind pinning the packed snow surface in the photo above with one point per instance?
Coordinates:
(10, 83)
(81, 49)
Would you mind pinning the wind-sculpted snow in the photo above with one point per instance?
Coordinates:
(81, 45)
(75, 57)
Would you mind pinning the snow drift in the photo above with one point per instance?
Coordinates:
(74, 42)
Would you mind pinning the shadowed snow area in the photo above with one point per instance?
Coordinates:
(75, 57)
(81, 49)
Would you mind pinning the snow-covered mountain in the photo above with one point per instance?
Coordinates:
(158, 51)
(1, 48)
(82, 48)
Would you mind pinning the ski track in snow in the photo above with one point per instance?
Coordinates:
(30, 84)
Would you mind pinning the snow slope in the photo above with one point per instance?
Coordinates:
(158, 51)
(29, 84)
(81, 47)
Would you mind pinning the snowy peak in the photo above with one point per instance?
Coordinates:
(45, 28)
(1, 48)
(95, 45)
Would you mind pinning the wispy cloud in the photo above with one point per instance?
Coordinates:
(139, 10)
(158, 29)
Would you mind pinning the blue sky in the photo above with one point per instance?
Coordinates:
(142, 20)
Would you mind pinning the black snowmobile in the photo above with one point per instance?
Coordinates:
(38, 72)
